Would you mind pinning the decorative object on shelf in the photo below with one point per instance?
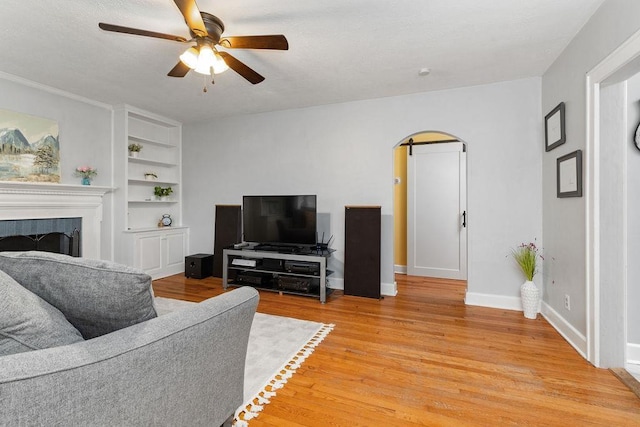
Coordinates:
(29, 147)
(162, 192)
(87, 173)
(554, 129)
(569, 175)
(150, 176)
(134, 149)
(526, 256)
(636, 139)
(165, 221)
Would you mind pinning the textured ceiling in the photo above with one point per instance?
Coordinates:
(339, 50)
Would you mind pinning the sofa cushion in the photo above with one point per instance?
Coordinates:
(27, 322)
(97, 297)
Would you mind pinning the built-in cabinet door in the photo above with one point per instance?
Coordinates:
(175, 251)
(161, 253)
(149, 253)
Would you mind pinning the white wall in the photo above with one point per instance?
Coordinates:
(564, 220)
(85, 135)
(344, 154)
(633, 212)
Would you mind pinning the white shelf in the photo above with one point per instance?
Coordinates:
(149, 229)
(150, 182)
(153, 201)
(142, 140)
(144, 161)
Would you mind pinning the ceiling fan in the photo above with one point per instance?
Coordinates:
(206, 31)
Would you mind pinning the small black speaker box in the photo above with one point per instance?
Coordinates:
(198, 266)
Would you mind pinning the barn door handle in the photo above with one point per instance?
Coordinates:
(464, 219)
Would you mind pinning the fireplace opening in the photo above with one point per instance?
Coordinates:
(59, 243)
(59, 235)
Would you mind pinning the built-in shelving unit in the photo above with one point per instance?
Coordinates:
(158, 250)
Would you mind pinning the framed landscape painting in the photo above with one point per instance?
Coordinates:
(29, 148)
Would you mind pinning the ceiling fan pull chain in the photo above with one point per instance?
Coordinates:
(204, 89)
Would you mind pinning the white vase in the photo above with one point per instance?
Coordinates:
(133, 154)
(530, 296)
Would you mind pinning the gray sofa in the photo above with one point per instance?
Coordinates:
(185, 368)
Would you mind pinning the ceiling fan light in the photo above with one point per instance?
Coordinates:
(219, 66)
(190, 57)
(206, 59)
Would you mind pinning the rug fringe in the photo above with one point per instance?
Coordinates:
(256, 404)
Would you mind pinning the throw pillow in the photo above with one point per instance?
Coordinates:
(27, 322)
(97, 297)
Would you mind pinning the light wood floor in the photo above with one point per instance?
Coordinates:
(424, 358)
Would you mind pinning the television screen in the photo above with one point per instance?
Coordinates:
(289, 220)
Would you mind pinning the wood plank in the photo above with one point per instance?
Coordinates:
(424, 358)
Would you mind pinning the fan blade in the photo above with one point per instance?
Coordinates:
(137, 32)
(191, 13)
(278, 42)
(180, 70)
(241, 68)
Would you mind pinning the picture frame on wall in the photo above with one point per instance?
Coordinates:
(554, 128)
(29, 148)
(569, 175)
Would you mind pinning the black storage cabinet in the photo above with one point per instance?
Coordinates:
(198, 266)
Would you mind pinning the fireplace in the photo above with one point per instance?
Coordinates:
(65, 208)
(59, 235)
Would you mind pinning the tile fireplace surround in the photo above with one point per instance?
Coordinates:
(23, 200)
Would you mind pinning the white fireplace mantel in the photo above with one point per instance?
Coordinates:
(29, 200)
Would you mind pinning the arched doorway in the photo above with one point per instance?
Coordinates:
(430, 230)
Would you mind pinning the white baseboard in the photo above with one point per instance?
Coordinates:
(389, 289)
(336, 283)
(400, 269)
(493, 301)
(386, 289)
(564, 328)
(633, 369)
(633, 354)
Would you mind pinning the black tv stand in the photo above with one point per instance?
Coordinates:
(292, 273)
(283, 249)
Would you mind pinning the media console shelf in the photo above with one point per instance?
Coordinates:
(299, 274)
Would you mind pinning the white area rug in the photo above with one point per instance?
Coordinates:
(277, 347)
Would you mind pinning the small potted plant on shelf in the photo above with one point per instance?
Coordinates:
(134, 149)
(162, 192)
(150, 176)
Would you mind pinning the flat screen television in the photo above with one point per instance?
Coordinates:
(279, 220)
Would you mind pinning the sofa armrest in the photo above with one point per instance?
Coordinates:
(184, 368)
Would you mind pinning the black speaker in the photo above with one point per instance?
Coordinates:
(362, 251)
(228, 231)
(198, 266)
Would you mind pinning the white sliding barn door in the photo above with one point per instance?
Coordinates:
(436, 211)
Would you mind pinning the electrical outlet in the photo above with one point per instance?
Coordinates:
(567, 302)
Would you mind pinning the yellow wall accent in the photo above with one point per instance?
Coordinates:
(400, 206)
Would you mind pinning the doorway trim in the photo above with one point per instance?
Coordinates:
(452, 138)
(626, 53)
